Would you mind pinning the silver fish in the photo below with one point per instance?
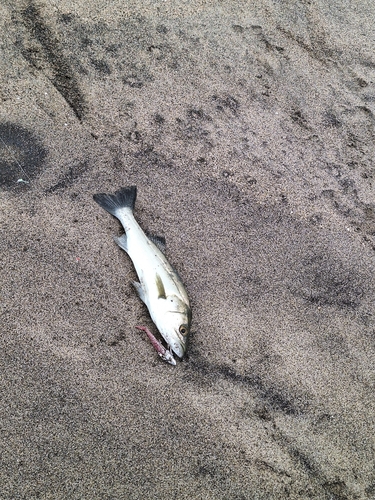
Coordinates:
(159, 286)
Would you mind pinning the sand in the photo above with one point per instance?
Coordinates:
(248, 128)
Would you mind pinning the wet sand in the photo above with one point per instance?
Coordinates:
(249, 132)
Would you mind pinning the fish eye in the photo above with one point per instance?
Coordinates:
(183, 329)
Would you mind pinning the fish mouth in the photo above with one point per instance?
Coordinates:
(179, 348)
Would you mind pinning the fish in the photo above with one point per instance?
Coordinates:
(159, 285)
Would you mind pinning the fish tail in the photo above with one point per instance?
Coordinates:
(123, 198)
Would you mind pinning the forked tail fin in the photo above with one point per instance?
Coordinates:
(123, 198)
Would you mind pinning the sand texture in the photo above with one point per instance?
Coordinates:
(248, 128)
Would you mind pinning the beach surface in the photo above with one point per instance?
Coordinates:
(248, 129)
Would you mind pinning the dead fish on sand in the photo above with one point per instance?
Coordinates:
(159, 286)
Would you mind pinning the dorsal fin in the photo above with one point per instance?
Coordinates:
(159, 241)
(160, 287)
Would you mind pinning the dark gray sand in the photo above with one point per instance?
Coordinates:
(249, 131)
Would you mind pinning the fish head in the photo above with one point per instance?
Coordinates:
(175, 325)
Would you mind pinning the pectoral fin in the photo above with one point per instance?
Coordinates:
(160, 287)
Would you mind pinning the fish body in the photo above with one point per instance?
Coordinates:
(159, 286)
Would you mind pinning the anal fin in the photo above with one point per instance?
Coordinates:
(122, 242)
